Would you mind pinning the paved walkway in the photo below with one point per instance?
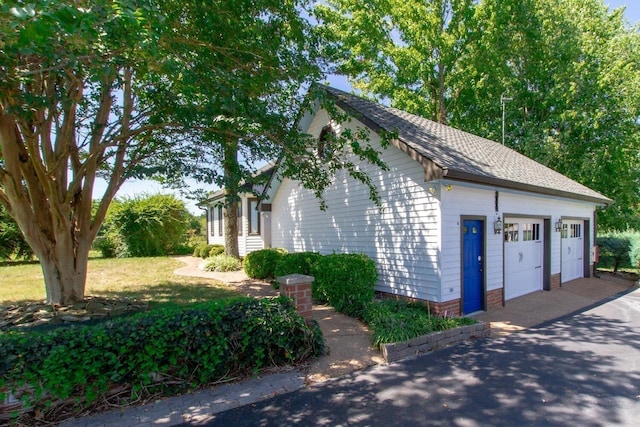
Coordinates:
(349, 342)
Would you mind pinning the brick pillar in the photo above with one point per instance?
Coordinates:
(298, 287)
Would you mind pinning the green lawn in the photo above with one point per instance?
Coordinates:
(149, 279)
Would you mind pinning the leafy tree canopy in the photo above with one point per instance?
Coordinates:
(571, 67)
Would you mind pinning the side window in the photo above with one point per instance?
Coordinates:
(239, 218)
(220, 221)
(325, 140)
(212, 221)
(254, 217)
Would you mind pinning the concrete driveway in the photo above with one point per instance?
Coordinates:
(580, 370)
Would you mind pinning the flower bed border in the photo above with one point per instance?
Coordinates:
(436, 340)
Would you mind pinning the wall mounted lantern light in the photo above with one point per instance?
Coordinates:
(559, 225)
(497, 226)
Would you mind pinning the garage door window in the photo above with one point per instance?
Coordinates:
(576, 230)
(511, 232)
(530, 232)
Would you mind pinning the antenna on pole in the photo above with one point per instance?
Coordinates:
(503, 101)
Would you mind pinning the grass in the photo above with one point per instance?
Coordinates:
(149, 279)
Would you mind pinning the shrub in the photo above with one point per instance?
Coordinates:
(614, 252)
(619, 250)
(205, 250)
(222, 263)
(296, 263)
(216, 250)
(158, 351)
(262, 264)
(345, 281)
(145, 226)
(396, 321)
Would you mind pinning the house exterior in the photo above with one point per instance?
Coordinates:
(254, 218)
(466, 224)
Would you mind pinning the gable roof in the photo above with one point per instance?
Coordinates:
(445, 152)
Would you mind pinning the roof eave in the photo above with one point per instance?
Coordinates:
(480, 179)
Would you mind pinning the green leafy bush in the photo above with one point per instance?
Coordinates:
(296, 263)
(12, 242)
(165, 350)
(345, 281)
(144, 226)
(216, 250)
(396, 321)
(222, 263)
(262, 264)
(619, 250)
(205, 250)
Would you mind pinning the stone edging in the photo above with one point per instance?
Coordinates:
(434, 341)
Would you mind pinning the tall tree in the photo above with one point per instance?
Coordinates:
(570, 66)
(245, 125)
(111, 88)
(403, 51)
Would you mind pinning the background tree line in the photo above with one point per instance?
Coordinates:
(571, 68)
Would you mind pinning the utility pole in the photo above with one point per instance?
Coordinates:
(503, 101)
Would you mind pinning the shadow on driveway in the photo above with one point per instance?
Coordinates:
(582, 370)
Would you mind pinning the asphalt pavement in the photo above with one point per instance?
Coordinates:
(579, 370)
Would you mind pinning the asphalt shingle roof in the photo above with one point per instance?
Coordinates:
(462, 155)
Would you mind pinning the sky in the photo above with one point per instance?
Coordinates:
(137, 187)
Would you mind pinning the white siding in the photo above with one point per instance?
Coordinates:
(469, 199)
(402, 236)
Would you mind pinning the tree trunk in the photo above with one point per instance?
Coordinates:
(64, 266)
(231, 187)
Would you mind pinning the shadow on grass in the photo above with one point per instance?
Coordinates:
(170, 293)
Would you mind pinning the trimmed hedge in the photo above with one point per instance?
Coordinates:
(216, 250)
(165, 350)
(262, 264)
(204, 250)
(344, 281)
(296, 263)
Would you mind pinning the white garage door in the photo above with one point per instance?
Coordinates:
(572, 250)
(523, 251)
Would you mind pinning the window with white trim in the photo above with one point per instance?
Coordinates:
(254, 217)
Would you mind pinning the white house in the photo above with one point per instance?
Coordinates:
(465, 224)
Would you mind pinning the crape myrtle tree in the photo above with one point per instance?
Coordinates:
(572, 68)
(113, 89)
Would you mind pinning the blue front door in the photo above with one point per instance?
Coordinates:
(472, 265)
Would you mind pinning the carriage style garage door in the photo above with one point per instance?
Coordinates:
(523, 250)
(572, 250)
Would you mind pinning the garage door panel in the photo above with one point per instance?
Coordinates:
(572, 250)
(523, 256)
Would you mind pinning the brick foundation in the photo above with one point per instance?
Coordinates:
(448, 308)
(494, 299)
(451, 308)
(298, 288)
(555, 281)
